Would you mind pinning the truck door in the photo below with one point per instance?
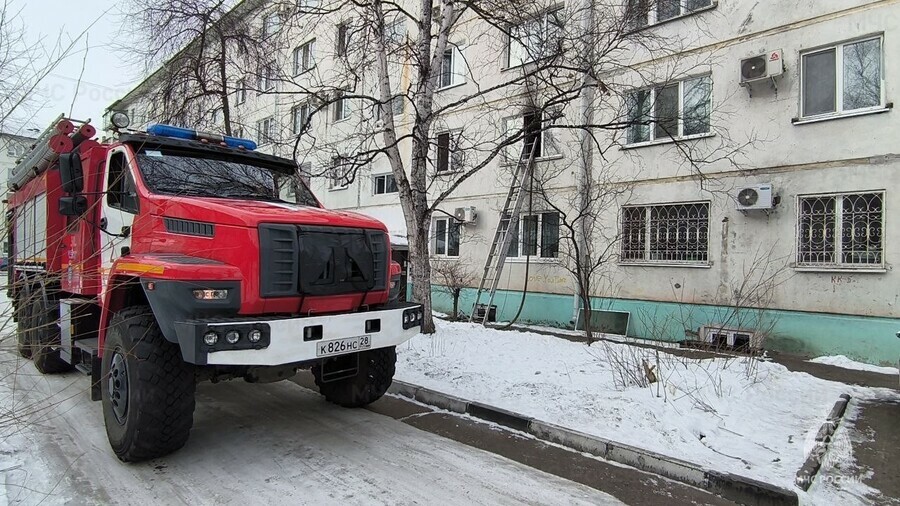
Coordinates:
(120, 205)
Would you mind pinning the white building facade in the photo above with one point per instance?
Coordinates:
(811, 273)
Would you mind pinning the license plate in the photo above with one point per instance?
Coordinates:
(341, 346)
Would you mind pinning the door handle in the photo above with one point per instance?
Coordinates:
(103, 223)
(126, 231)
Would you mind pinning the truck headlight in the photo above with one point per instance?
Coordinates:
(232, 336)
(254, 336)
(210, 338)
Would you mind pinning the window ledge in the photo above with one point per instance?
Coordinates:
(335, 122)
(448, 173)
(454, 85)
(676, 18)
(851, 114)
(532, 260)
(665, 264)
(842, 269)
(668, 140)
(338, 188)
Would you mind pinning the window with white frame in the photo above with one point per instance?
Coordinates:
(536, 235)
(674, 110)
(339, 173)
(842, 78)
(537, 132)
(308, 5)
(397, 106)
(641, 13)
(271, 25)
(241, 91)
(395, 31)
(265, 130)
(452, 68)
(841, 230)
(342, 40)
(666, 233)
(446, 237)
(299, 118)
(304, 57)
(383, 184)
(537, 38)
(266, 78)
(448, 157)
(341, 107)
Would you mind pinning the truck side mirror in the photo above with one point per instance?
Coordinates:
(73, 206)
(70, 173)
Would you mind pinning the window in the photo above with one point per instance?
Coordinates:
(341, 108)
(338, 174)
(674, 110)
(383, 184)
(303, 57)
(842, 78)
(446, 237)
(265, 130)
(640, 13)
(397, 102)
(539, 236)
(451, 71)
(120, 189)
(666, 233)
(534, 39)
(308, 5)
(266, 78)
(449, 158)
(342, 39)
(271, 25)
(241, 91)
(395, 31)
(299, 118)
(841, 230)
(536, 131)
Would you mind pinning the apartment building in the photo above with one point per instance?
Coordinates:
(748, 192)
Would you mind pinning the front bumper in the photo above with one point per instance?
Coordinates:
(294, 340)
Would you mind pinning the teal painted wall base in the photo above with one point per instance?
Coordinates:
(863, 338)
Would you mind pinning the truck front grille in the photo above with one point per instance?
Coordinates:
(312, 260)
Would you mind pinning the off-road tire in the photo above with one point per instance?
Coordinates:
(376, 372)
(23, 324)
(159, 389)
(45, 338)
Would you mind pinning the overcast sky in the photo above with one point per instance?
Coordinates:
(106, 78)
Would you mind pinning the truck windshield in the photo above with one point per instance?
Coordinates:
(178, 173)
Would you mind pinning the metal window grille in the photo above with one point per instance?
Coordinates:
(671, 233)
(841, 230)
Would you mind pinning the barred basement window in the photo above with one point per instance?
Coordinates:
(669, 233)
(841, 230)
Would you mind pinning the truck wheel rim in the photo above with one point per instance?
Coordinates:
(118, 387)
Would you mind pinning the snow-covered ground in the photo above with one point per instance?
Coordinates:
(847, 363)
(753, 418)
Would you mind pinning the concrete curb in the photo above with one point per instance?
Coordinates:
(807, 472)
(735, 488)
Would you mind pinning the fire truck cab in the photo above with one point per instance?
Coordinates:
(166, 257)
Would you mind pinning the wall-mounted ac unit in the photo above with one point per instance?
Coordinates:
(723, 337)
(465, 214)
(760, 67)
(757, 196)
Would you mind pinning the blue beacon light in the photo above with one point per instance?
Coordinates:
(194, 135)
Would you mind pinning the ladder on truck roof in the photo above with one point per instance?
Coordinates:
(62, 136)
(509, 220)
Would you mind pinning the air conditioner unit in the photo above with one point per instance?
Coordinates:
(758, 196)
(738, 339)
(760, 67)
(465, 214)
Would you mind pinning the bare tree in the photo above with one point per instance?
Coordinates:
(452, 277)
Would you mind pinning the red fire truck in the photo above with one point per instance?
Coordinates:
(166, 257)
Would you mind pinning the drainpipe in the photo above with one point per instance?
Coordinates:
(583, 177)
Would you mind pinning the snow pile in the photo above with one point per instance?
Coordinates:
(847, 363)
(740, 415)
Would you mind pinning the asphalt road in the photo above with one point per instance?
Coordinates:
(256, 444)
